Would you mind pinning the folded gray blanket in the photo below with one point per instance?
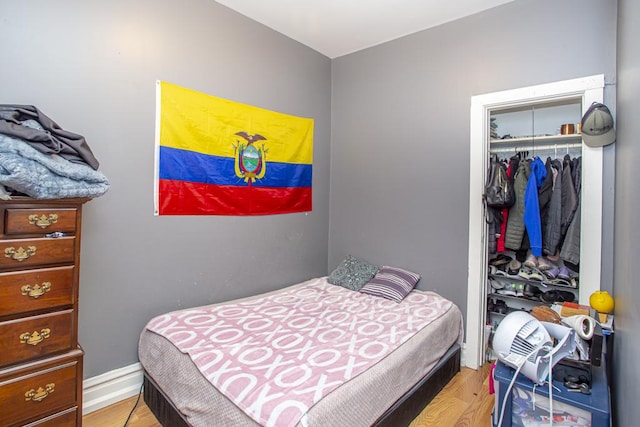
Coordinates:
(45, 176)
(28, 123)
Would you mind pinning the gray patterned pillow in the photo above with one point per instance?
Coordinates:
(392, 283)
(352, 273)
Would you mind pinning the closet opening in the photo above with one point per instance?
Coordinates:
(531, 129)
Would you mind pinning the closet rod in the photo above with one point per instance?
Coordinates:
(534, 148)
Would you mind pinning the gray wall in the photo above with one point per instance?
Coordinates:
(92, 67)
(626, 377)
(400, 126)
(399, 161)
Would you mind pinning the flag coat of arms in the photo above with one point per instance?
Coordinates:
(219, 157)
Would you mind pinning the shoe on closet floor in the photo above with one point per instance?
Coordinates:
(500, 307)
(531, 261)
(508, 290)
(514, 267)
(532, 291)
(551, 273)
(500, 259)
(557, 296)
(536, 275)
(512, 289)
(497, 271)
(544, 264)
(496, 284)
(500, 270)
(524, 273)
(564, 273)
(519, 289)
(571, 283)
(530, 274)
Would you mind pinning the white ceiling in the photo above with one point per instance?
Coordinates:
(338, 27)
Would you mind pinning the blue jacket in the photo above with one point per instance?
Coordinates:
(531, 206)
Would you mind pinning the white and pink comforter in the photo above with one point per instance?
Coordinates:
(276, 356)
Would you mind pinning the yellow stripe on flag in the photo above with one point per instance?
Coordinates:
(195, 121)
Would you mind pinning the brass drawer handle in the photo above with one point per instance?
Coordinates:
(36, 337)
(40, 394)
(43, 221)
(37, 291)
(19, 254)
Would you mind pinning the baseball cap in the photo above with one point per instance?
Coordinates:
(597, 126)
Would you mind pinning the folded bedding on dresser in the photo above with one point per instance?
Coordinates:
(309, 354)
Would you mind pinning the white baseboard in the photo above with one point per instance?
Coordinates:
(463, 354)
(111, 387)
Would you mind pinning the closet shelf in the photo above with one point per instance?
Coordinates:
(547, 139)
(548, 145)
(524, 299)
(543, 283)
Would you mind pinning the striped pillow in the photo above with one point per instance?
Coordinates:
(391, 283)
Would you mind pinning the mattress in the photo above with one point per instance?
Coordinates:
(357, 402)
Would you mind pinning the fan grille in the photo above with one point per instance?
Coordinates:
(527, 340)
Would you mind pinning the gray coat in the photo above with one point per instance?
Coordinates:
(571, 246)
(553, 227)
(569, 196)
(494, 220)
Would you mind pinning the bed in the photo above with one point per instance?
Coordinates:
(311, 354)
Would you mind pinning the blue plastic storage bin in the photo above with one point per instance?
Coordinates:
(528, 406)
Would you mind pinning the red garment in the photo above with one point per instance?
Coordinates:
(492, 388)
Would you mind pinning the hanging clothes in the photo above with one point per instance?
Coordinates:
(569, 195)
(494, 221)
(511, 168)
(576, 173)
(515, 222)
(531, 215)
(546, 216)
(544, 197)
(546, 189)
(571, 247)
(553, 227)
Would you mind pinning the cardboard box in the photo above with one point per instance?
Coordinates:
(571, 309)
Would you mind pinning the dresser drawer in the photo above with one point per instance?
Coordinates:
(65, 418)
(20, 253)
(35, 336)
(39, 221)
(39, 393)
(31, 290)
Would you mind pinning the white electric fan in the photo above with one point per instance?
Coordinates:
(524, 343)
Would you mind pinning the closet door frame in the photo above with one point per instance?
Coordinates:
(589, 89)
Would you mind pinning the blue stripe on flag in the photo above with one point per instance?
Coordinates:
(184, 165)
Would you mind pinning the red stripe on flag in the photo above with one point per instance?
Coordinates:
(188, 198)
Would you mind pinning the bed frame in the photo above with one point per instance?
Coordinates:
(401, 413)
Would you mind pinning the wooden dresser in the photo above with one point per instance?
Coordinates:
(40, 358)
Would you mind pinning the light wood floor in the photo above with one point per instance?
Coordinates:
(465, 401)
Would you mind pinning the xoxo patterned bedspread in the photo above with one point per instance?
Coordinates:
(276, 356)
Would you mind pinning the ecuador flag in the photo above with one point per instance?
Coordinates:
(219, 157)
